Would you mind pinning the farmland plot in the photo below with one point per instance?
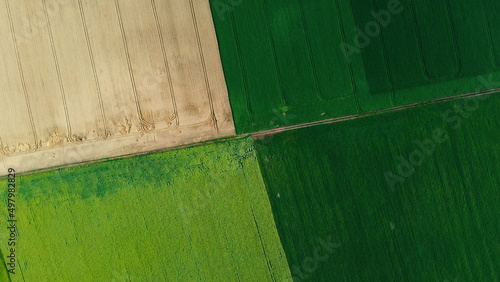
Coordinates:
(198, 214)
(403, 196)
(83, 80)
(291, 62)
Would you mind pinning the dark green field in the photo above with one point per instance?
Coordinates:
(435, 218)
(289, 62)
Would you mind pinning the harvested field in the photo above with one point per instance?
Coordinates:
(369, 150)
(404, 196)
(84, 80)
(199, 214)
(290, 62)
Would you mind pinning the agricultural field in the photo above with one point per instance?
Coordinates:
(85, 80)
(200, 214)
(290, 62)
(249, 140)
(403, 196)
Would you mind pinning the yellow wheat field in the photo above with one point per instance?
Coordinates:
(82, 80)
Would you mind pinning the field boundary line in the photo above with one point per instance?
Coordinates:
(264, 133)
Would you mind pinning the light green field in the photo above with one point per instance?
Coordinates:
(200, 214)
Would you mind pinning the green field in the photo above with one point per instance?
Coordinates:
(199, 214)
(430, 217)
(289, 62)
(396, 195)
